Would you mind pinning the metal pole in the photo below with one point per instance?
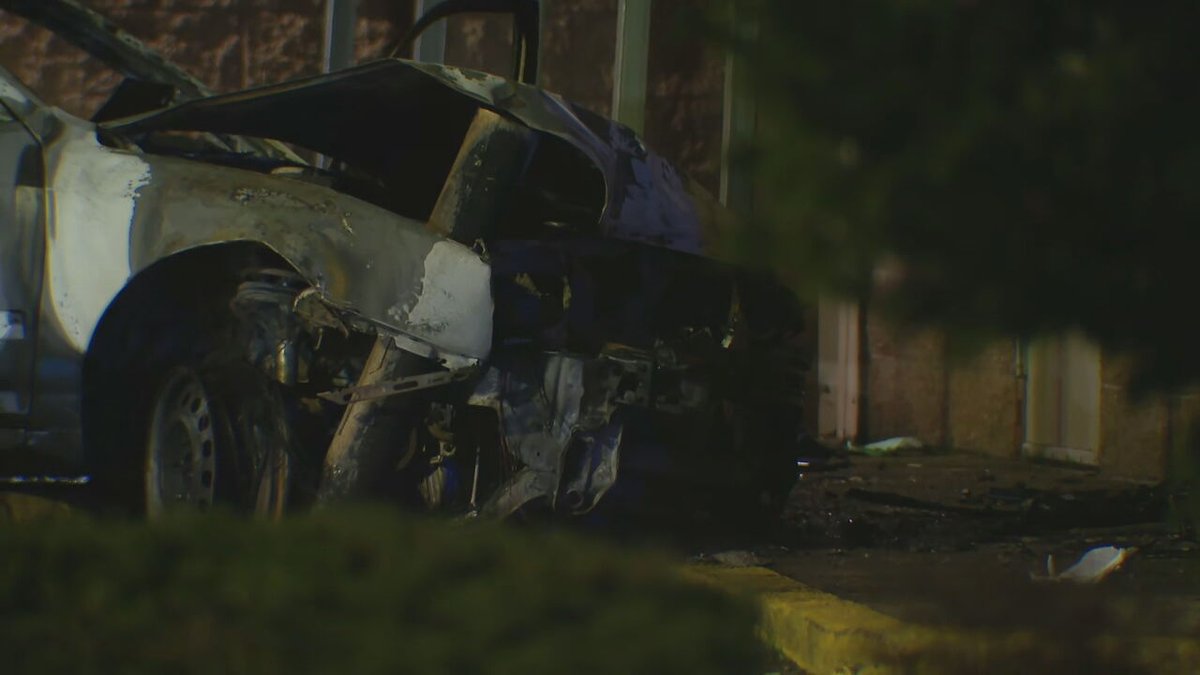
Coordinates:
(542, 13)
(340, 17)
(430, 46)
(739, 126)
(629, 68)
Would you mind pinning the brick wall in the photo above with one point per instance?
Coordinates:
(685, 81)
(235, 44)
(228, 44)
(685, 94)
(1134, 432)
(906, 382)
(985, 401)
(916, 387)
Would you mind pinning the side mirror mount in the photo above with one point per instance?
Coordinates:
(526, 16)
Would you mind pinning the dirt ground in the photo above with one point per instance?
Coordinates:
(938, 502)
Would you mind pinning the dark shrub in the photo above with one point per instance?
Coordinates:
(350, 592)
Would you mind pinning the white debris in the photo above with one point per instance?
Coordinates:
(733, 558)
(888, 446)
(1093, 566)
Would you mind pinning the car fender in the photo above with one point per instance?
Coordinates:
(118, 212)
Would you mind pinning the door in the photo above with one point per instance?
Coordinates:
(21, 250)
(1062, 414)
(837, 370)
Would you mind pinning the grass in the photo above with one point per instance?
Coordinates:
(360, 591)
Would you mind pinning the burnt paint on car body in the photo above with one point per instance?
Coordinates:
(115, 213)
(364, 260)
(404, 121)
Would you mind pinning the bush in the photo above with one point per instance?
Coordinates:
(351, 592)
(1019, 167)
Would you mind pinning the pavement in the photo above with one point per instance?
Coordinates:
(987, 625)
(927, 564)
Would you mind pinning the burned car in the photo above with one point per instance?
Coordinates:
(401, 281)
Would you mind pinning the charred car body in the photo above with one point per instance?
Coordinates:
(481, 297)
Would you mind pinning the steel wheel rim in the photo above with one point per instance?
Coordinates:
(181, 447)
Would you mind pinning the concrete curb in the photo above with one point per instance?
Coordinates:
(823, 633)
(22, 508)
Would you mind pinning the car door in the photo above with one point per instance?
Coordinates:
(22, 241)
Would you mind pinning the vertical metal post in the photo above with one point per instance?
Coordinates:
(527, 40)
(838, 374)
(430, 46)
(629, 68)
(542, 11)
(340, 17)
(739, 125)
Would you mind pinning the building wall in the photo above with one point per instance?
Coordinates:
(906, 384)
(685, 93)
(227, 44)
(985, 400)
(915, 387)
(1135, 432)
(685, 78)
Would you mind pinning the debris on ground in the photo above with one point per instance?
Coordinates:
(951, 501)
(1091, 568)
(734, 558)
(887, 447)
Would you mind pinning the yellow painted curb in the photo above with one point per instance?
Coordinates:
(823, 633)
(21, 508)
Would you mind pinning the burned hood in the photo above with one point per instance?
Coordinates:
(403, 121)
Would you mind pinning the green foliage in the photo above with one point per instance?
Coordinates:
(1017, 167)
(1183, 472)
(352, 592)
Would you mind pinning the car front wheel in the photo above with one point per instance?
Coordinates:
(209, 442)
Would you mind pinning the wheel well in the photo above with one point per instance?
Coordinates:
(184, 295)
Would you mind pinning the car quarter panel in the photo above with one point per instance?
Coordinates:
(117, 212)
(384, 268)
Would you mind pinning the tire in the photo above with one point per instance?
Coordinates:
(216, 436)
(168, 344)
